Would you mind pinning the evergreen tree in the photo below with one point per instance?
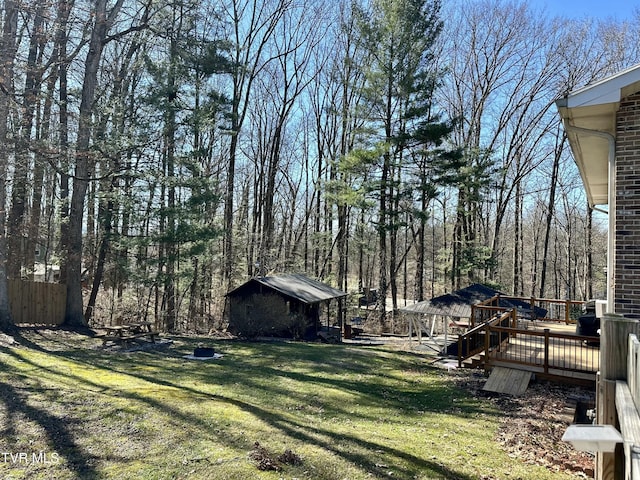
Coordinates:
(399, 37)
(190, 112)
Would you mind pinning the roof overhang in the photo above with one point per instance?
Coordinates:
(594, 108)
(295, 286)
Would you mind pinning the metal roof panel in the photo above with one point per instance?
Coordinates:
(301, 288)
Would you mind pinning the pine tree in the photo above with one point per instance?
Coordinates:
(188, 108)
(399, 37)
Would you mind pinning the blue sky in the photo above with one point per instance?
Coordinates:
(617, 9)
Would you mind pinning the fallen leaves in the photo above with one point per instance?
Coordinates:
(265, 461)
(533, 424)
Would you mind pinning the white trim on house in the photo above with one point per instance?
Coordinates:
(594, 108)
(589, 118)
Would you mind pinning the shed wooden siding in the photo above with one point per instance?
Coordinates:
(627, 235)
(256, 309)
(279, 305)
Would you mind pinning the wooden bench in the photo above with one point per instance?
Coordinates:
(127, 338)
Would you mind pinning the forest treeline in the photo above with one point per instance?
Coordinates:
(155, 155)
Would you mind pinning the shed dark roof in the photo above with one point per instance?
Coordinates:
(458, 303)
(454, 304)
(299, 287)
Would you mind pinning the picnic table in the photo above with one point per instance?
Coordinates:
(127, 332)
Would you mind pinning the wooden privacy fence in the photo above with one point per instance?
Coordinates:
(37, 303)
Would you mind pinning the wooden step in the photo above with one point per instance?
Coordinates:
(474, 362)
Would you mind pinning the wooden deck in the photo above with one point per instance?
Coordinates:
(549, 349)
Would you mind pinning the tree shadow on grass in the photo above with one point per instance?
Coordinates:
(58, 434)
(358, 451)
(362, 453)
(345, 446)
(51, 424)
(59, 437)
(18, 334)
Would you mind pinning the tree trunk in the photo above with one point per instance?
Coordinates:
(170, 316)
(34, 239)
(7, 58)
(381, 305)
(266, 257)
(418, 292)
(393, 239)
(74, 315)
(247, 60)
(550, 214)
(228, 249)
(105, 214)
(459, 241)
(517, 243)
(17, 228)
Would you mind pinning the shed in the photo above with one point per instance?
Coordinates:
(287, 306)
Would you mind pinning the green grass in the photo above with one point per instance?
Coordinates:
(348, 412)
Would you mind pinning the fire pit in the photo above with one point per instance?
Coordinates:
(203, 352)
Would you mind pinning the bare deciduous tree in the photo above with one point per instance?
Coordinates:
(7, 59)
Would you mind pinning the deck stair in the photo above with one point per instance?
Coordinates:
(475, 361)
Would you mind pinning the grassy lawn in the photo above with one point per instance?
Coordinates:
(71, 410)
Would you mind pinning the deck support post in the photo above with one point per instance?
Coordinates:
(487, 347)
(614, 346)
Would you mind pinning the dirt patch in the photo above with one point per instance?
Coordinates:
(533, 424)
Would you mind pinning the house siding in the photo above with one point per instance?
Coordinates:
(627, 235)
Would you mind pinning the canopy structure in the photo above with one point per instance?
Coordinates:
(453, 307)
(450, 308)
(458, 304)
(455, 304)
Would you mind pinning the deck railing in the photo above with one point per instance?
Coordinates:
(566, 311)
(481, 313)
(496, 338)
(476, 340)
(627, 401)
(546, 350)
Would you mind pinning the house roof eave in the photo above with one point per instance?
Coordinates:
(593, 108)
(591, 152)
